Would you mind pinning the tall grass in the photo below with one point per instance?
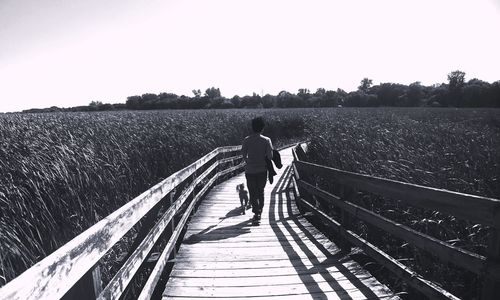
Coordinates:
(452, 149)
(61, 173)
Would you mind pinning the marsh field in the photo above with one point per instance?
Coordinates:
(60, 173)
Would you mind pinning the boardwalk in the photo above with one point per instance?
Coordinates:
(224, 256)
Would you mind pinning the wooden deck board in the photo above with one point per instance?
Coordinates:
(224, 256)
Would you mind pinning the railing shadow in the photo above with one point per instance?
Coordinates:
(287, 219)
(221, 233)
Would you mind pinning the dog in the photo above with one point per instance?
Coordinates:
(245, 204)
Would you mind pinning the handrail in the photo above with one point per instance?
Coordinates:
(475, 208)
(56, 274)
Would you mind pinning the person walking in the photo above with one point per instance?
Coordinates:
(255, 149)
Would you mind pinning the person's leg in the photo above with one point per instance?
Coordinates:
(261, 184)
(253, 191)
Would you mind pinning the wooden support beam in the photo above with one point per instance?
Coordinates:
(426, 287)
(466, 259)
(469, 207)
(491, 286)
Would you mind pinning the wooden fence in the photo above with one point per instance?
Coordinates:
(73, 270)
(468, 207)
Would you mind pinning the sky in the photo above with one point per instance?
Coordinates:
(71, 52)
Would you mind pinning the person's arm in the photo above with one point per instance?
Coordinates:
(269, 150)
(244, 150)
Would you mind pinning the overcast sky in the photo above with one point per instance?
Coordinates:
(70, 52)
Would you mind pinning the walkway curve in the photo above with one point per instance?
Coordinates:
(224, 256)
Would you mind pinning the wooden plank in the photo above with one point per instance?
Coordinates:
(275, 291)
(244, 223)
(226, 149)
(254, 237)
(247, 257)
(258, 260)
(53, 276)
(469, 207)
(252, 253)
(233, 221)
(313, 296)
(259, 272)
(229, 159)
(491, 286)
(260, 280)
(249, 245)
(258, 264)
(428, 288)
(460, 257)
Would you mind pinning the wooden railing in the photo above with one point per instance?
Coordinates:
(72, 271)
(468, 207)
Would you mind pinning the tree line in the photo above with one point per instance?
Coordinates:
(455, 93)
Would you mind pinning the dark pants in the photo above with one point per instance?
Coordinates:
(256, 183)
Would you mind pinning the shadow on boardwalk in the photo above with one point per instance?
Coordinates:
(287, 219)
(221, 233)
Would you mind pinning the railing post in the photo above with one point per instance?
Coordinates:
(491, 288)
(193, 193)
(296, 192)
(218, 168)
(88, 287)
(172, 226)
(346, 193)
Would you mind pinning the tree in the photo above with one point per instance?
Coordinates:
(133, 102)
(168, 101)
(476, 94)
(365, 85)
(414, 94)
(303, 92)
(390, 94)
(197, 93)
(149, 101)
(330, 99)
(283, 99)
(212, 93)
(268, 101)
(236, 101)
(456, 81)
(320, 92)
(360, 99)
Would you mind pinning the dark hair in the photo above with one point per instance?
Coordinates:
(258, 124)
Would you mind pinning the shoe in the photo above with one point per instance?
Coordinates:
(256, 217)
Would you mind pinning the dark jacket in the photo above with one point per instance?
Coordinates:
(269, 165)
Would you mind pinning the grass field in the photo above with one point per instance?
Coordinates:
(453, 149)
(60, 173)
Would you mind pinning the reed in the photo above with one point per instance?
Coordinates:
(60, 173)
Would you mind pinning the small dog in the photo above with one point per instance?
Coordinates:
(240, 188)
